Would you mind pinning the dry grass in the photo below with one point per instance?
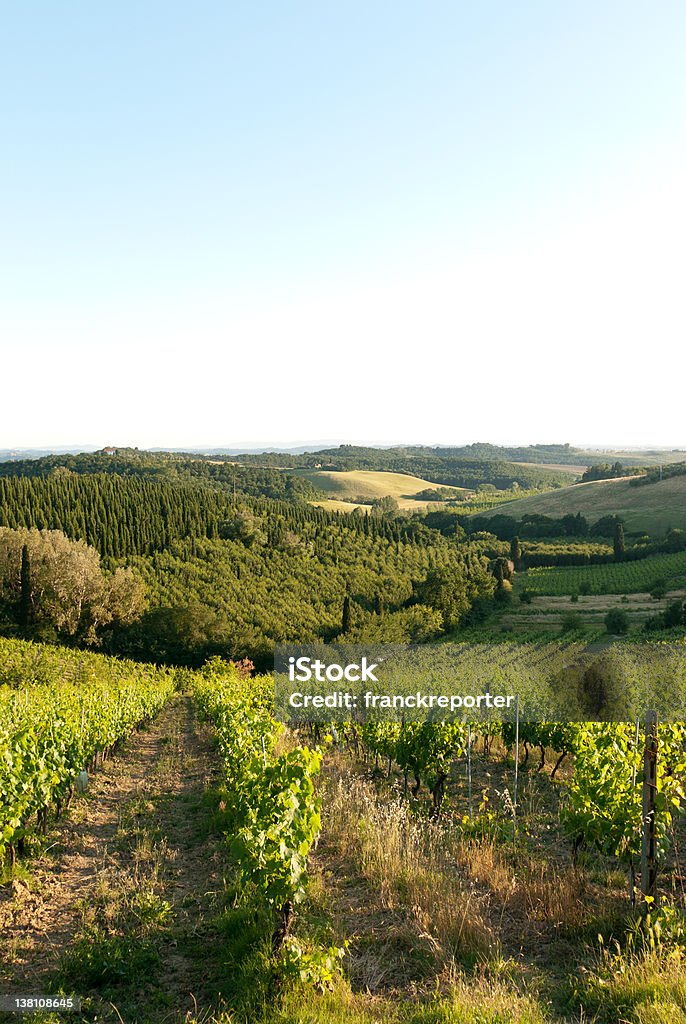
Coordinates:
(469, 896)
(367, 485)
(412, 864)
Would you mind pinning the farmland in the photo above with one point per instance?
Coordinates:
(548, 612)
(610, 578)
(652, 508)
(338, 505)
(581, 596)
(362, 484)
(229, 871)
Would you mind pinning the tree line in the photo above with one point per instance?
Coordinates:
(130, 462)
(437, 465)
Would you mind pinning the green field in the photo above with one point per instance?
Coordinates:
(347, 486)
(650, 508)
(611, 578)
(564, 467)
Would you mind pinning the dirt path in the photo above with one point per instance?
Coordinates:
(121, 906)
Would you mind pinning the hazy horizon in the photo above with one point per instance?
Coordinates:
(315, 445)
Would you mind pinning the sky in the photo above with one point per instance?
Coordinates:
(259, 223)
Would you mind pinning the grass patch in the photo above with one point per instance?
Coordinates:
(101, 961)
(644, 989)
(650, 508)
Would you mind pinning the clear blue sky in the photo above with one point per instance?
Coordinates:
(250, 222)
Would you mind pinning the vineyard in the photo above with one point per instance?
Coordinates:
(611, 578)
(272, 805)
(275, 811)
(475, 842)
(59, 713)
(603, 805)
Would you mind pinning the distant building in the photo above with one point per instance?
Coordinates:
(109, 451)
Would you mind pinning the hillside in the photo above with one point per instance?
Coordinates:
(443, 466)
(353, 484)
(219, 577)
(275, 474)
(651, 508)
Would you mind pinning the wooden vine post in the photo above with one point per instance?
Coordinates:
(516, 762)
(648, 852)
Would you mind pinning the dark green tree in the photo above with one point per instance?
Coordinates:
(571, 622)
(675, 540)
(674, 614)
(516, 552)
(385, 506)
(618, 544)
(346, 618)
(502, 570)
(617, 621)
(25, 605)
(448, 592)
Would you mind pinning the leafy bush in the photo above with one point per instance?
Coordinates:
(571, 622)
(617, 622)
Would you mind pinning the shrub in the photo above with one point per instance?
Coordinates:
(571, 622)
(617, 621)
(674, 614)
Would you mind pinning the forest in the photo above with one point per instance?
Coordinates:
(218, 571)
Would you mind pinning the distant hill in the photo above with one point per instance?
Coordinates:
(553, 456)
(651, 507)
(442, 466)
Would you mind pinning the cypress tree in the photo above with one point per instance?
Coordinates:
(618, 543)
(346, 617)
(25, 591)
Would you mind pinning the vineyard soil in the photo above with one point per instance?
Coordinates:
(119, 905)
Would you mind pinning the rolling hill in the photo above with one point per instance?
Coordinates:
(366, 485)
(649, 508)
